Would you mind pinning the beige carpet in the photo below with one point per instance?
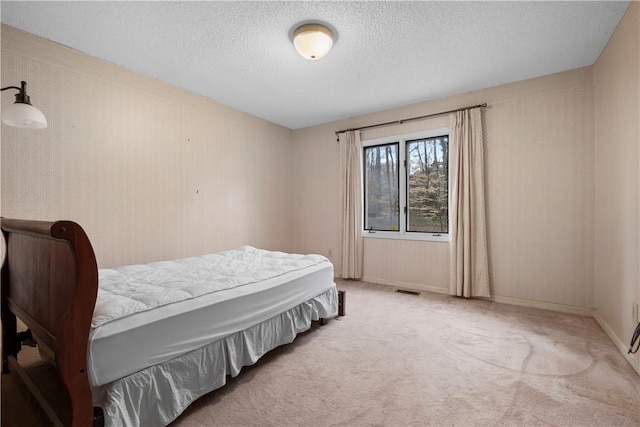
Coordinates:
(399, 359)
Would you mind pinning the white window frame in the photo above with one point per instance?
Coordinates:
(402, 233)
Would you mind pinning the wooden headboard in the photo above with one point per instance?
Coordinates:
(50, 282)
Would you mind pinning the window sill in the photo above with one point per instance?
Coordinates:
(425, 237)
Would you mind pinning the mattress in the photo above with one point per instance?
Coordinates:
(128, 344)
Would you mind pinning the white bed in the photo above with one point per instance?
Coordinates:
(156, 345)
(143, 342)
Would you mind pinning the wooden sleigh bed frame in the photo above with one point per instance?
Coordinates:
(50, 282)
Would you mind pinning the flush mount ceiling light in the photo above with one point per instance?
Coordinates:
(22, 114)
(313, 41)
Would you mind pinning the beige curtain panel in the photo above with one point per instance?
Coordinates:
(469, 255)
(351, 177)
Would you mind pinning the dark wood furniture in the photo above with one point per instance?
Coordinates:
(342, 303)
(50, 281)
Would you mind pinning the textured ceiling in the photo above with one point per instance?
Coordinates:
(386, 53)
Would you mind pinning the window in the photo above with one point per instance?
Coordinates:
(406, 186)
(382, 209)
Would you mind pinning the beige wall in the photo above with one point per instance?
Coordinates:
(617, 171)
(540, 192)
(150, 171)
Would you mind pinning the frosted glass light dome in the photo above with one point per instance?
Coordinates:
(313, 41)
(24, 116)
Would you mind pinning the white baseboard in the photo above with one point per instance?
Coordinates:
(406, 286)
(563, 308)
(504, 300)
(618, 342)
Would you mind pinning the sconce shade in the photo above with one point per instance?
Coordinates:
(26, 116)
(22, 114)
(313, 41)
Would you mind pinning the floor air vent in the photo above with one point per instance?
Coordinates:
(404, 291)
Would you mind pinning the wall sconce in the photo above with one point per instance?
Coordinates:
(313, 41)
(22, 114)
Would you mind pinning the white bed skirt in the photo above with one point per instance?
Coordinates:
(159, 394)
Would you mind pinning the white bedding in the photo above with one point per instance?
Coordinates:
(155, 396)
(129, 336)
(131, 289)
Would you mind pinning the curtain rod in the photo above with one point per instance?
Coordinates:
(399, 122)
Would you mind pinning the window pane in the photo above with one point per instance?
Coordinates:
(381, 208)
(428, 185)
